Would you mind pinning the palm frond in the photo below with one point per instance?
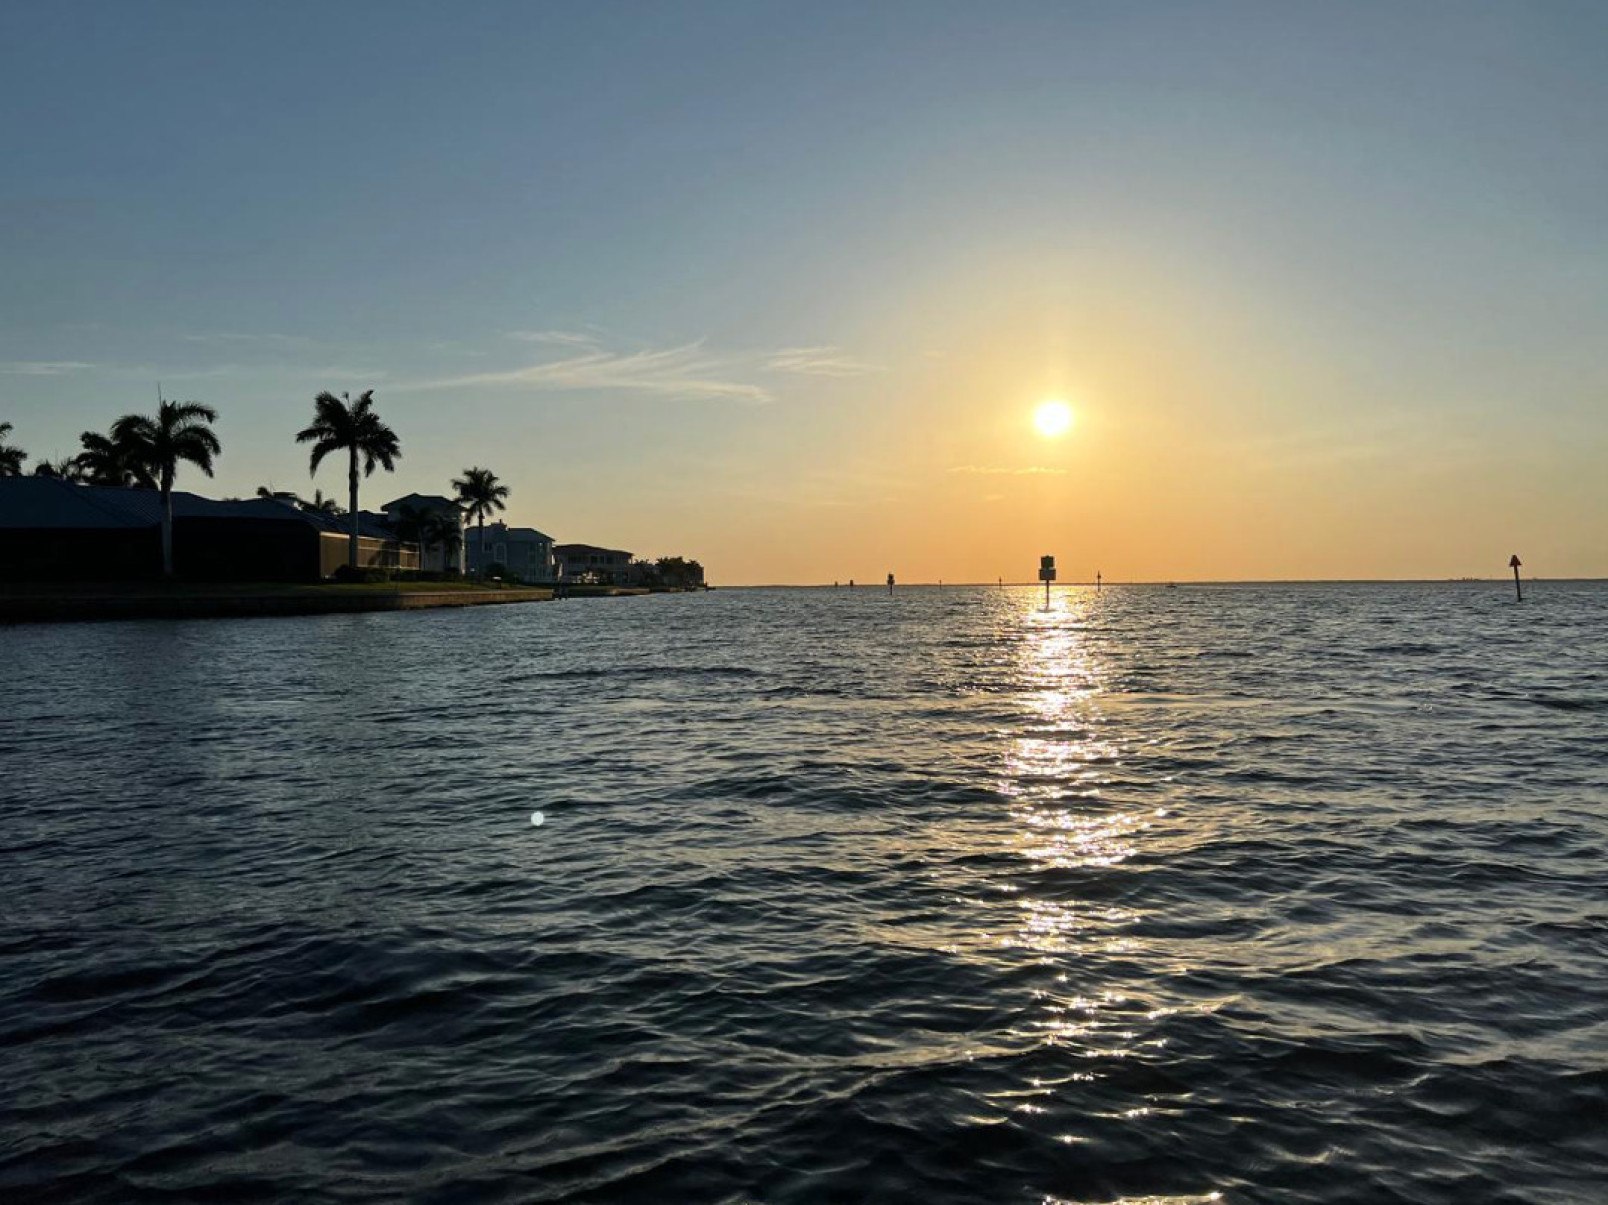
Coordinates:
(341, 424)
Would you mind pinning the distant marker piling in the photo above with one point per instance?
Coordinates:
(1514, 564)
(1046, 575)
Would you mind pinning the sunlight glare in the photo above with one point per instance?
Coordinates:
(1053, 418)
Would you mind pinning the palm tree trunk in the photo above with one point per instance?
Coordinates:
(167, 525)
(351, 480)
(483, 561)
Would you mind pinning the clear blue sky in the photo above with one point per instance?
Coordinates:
(774, 284)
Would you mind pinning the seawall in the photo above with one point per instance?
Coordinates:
(71, 607)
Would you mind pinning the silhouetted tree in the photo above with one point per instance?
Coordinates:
(65, 469)
(443, 531)
(115, 459)
(342, 425)
(179, 431)
(289, 497)
(320, 504)
(12, 457)
(678, 573)
(409, 525)
(480, 494)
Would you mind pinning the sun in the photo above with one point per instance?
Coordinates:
(1053, 418)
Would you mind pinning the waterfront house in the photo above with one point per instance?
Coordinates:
(52, 530)
(523, 552)
(588, 564)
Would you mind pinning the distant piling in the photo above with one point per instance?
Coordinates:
(1046, 575)
(890, 583)
(1514, 564)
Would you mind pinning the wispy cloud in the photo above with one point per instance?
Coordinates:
(337, 374)
(990, 470)
(823, 361)
(559, 338)
(42, 368)
(238, 338)
(686, 373)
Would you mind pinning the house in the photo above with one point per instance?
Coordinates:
(433, 557)
(523, 552)
(587, 563)
(52, 530)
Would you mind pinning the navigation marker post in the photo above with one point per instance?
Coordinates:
(890, 583)
(1514, 564)
(1097, 581)
(1046, 575)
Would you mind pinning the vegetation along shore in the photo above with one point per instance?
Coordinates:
(107, 533)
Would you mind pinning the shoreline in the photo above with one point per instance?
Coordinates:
(66, 605)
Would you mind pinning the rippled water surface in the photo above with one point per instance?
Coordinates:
(1278, 893)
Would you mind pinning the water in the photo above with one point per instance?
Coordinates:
(1288, 893)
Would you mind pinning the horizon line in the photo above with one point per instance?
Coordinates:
(874, 583)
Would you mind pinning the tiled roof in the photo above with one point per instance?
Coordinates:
(52, 503)
(48, 502)
(422, 502)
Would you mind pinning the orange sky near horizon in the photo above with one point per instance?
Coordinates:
(1197, 453)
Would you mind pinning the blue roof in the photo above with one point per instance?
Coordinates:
(422, 502)
(49, 502)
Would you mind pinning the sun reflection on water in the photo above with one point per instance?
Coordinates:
(1057, 763)
(1192, 1199)
(1056, 766)
(1079, 815)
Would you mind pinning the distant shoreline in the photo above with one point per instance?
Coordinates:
(878, 587)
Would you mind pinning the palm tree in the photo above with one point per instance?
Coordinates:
(318, 504)
(429, 527)
(440, 528)
(11, 456)
(409, 528)
(342, 424)
(289, 497)
(179, 431)
(115, 459)
(480, 494)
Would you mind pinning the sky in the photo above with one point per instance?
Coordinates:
(780, 286)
